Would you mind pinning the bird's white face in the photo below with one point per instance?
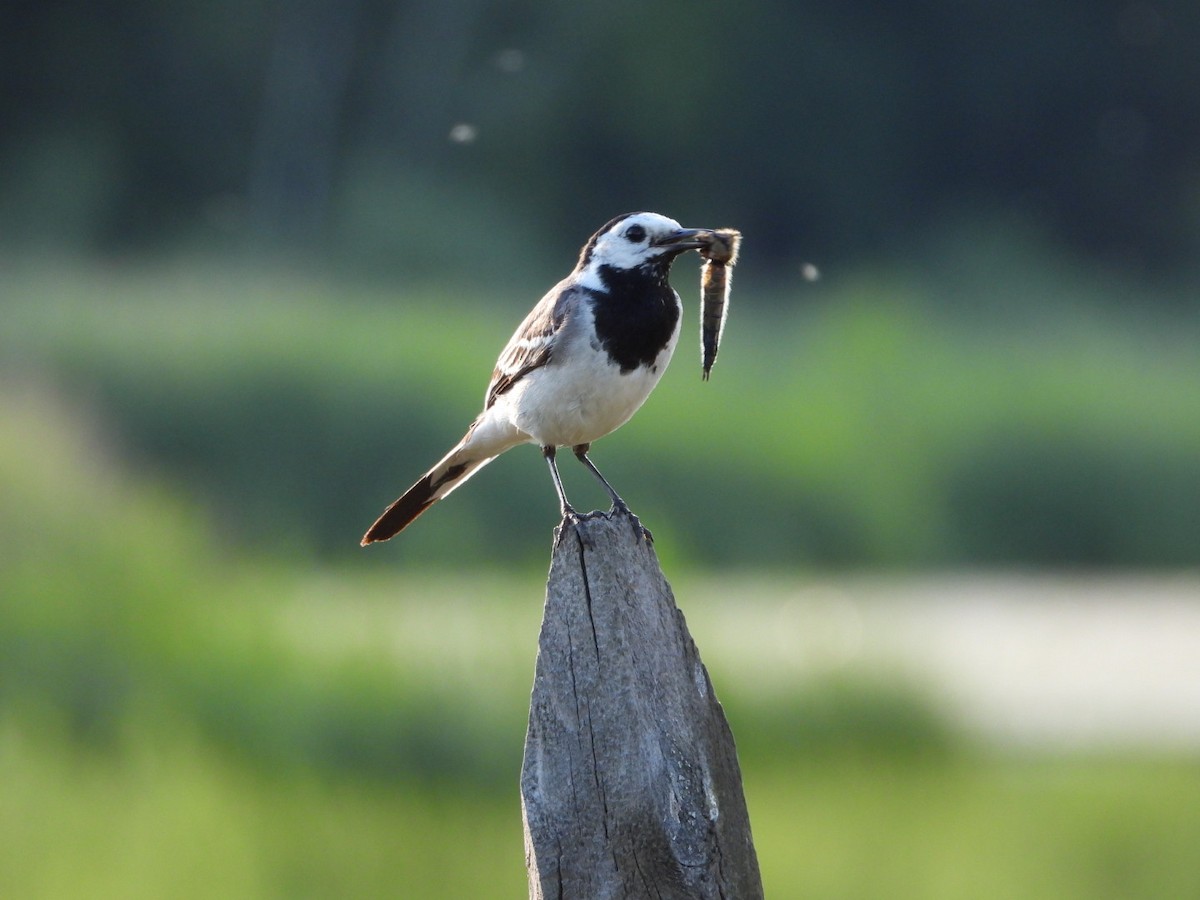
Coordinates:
(636, 240)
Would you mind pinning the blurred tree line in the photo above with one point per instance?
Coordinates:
(406, 136)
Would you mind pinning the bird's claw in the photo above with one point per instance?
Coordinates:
(620, 508)
(573, 519)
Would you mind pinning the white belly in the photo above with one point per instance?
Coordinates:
(566, 405)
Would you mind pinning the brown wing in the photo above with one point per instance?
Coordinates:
(532, 346)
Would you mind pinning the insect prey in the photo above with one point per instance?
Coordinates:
(719, 257)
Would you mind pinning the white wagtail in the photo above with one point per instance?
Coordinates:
(579, 366)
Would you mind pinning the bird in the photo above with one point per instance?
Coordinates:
(578, 367)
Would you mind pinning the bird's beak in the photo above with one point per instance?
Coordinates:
(686, 239)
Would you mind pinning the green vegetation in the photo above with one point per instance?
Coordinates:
(868, 421)
(325, 130)
(180, 720)
(988, 829)
(165, 815)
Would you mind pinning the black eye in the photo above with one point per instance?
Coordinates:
(635, 234)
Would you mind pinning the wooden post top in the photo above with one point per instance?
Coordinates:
(630, 785)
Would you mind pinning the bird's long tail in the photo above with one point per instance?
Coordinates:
(456, 467)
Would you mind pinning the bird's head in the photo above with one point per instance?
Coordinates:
(641, 240)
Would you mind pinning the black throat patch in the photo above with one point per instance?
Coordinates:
(636, 314)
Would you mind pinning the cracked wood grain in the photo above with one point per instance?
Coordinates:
(630, 785)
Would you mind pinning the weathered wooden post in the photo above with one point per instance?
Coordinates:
(630, 785)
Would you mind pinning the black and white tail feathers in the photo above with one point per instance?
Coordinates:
(456, 467)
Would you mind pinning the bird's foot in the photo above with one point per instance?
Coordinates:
(621, 508)
(572, 520)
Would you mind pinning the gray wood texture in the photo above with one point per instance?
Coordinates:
(630, 785)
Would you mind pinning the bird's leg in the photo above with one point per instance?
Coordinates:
(619, 505)
(581, 451)
(567, 510)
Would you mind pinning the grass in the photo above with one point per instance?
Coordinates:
(165, 814)
(981, 828)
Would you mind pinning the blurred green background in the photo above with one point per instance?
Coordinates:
(256, 262)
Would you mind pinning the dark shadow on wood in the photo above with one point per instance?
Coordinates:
(630, 785)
